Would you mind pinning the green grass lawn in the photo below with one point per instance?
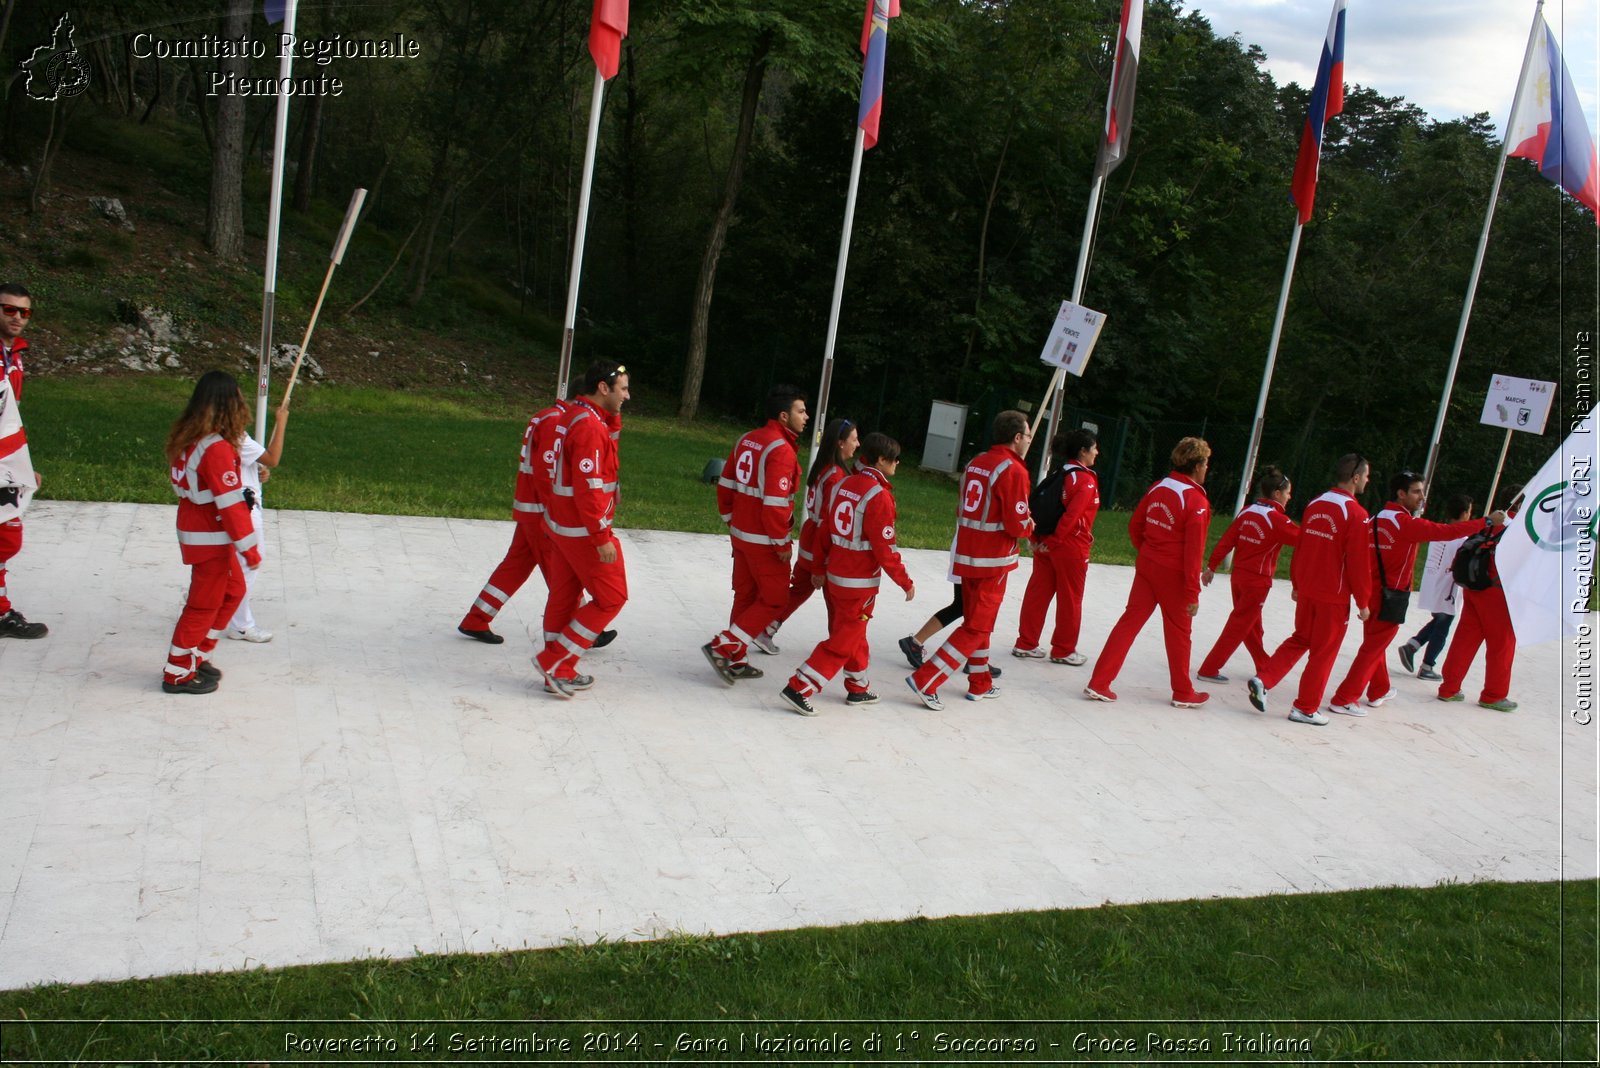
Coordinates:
(1463, 972)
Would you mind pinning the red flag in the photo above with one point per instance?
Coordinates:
(607, 28)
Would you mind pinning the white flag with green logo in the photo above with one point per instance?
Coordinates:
(1546, 556)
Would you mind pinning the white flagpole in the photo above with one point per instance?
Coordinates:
(595, 101)
(1056, 392)
(821, 416)
(1477, 260)
(269, 294)
(1266, 375)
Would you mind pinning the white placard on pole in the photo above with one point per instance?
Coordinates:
(1518, 403)
(1072, 338)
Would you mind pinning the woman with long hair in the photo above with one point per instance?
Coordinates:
(1254, 538)
(213, 522)
(835, 460)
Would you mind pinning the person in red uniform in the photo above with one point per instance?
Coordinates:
(213, 521)
(16, 308)
(1061, 559)
(1486, 621)
(582, 553)
(858, 549)
(1332, 565)
(991, 517)
(1254, 537)
(1392, 538)
(837, 451)
(1168, 529)
(527, 537)
(755, 497)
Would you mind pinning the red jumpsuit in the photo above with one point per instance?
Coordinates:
(991, 517)
(11, 530)
(860, 548)
(213, 521)
(1399, 534)
(1060, 566)
(527, 510)
(1332, 565)
(577, 516)
(1484, 621)
(755, 498)
(813, 540)
(1254, 537)
(1168, 530)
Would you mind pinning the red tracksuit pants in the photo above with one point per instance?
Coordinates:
(1243, 626)
(1058, 575)
(845, 646)
(1318, 630)
(760, 593)
(1485, 620)
(216, 586)
(968, 644)
(527, 546)
(1369, 673)
(572, 567)
(800, 591)
(10, 545)
(1153, 587)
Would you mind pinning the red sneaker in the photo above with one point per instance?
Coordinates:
(1189, 700)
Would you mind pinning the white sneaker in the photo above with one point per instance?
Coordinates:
(1377, 702)
(1071, 660)
(1316, 719)
(1036, 653)
(765, 643)
(254, 634)
(1348, 710)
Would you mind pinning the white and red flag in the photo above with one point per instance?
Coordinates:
(1124, 78)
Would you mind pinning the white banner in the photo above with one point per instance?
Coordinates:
(17, 481)
(1072, 337)
(1546, 556)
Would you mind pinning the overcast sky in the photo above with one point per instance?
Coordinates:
(1450, 57)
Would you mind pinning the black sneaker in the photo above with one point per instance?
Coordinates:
(486, 636)
(866, 697)
(913, 651)
(719, 664)
(208, 670)
(605, 639)
(1408, 656)
(796, 701)
(12, 625)
(196, 683)
(745, 671)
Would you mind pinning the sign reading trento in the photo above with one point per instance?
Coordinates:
(1518, 403)
(1072, 337)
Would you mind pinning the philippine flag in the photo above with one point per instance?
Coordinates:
(1548, 126)
(1327, 100)
(874, 45)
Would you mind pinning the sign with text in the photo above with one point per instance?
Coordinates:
(1518, 403)
(1072, 337)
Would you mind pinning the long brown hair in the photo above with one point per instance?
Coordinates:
(215, 407)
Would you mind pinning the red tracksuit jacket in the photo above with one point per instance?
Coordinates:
(536, 460)
(1399, 534)
(1334, 560)
(583, 475)
(213, 517)
(13, 367)
(1080, 503)
(993, 515)
(814, 531)
(1169, 526)
(861, 541)
(755, 494)
(1255, 537)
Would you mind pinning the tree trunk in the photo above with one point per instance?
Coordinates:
(306, 172)
(983, 251)
(694, 366)
(224, 207)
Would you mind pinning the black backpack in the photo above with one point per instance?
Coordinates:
(1045, 503)
(1470, 568)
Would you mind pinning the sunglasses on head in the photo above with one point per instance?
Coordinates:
(612, 377)
(20, 312)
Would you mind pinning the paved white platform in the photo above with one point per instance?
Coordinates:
(371, 783)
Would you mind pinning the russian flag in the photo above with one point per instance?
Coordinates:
(1548, 126)
(874, 45)
(1327, 100)
(607, 27)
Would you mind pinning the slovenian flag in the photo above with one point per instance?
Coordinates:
(874, 44)
(1327, 100)
(1124, 77)
(607, 27)
(1548, 126)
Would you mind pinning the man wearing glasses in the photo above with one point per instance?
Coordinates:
(16, 308)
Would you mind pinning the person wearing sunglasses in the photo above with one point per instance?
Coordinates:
(16, 308)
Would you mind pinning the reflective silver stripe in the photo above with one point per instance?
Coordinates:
(571, 532)
(582, 631)
(757, 539)
(973, 524)
(570, 646)
(855, 583)
(249, 541)
(490, 610)
(809, 674)
(523, 468)
(727, 517)
(761, 467)
(229, 499)
(204, 537)
(200, 497)
(988, 497)
(858, 541)
(519, 506)
(178, 650)
(984, 561)
(842, 542)
(179, 672)
(495, 592)
(804, 555)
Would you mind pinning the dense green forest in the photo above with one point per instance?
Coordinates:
(723, 159)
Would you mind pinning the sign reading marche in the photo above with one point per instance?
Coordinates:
(1517, 403)
(1072, 337)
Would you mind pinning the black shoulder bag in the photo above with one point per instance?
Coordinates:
(1395, 602)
